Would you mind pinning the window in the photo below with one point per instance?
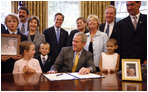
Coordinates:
(122, 10)
(5, 9)
(70, 10)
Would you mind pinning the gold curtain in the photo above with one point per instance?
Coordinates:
(36, 8)
(94, 7)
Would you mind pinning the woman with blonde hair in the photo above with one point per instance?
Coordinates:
(96, 40)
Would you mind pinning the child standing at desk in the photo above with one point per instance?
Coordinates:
(27, 64)
(45, 60)
(109, 61)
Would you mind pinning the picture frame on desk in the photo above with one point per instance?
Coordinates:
(10, 44)
(134, 86)
(131, 70)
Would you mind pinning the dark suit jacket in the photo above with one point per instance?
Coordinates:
(2, 28)
(70, 37)
(49, 62)
(50, 37)
(23, 37)
(132, 43)
(102, 26)
(64, 61)
(7, 67)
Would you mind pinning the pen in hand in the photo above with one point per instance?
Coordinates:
(59, 74)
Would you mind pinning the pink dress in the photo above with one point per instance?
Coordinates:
(109, 61)
(33, 63)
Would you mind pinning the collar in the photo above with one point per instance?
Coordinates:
(78, 52)
(138, 15)
(97, 33)
(12, 32)
(46, 56)
(56, 28)
(110, 23)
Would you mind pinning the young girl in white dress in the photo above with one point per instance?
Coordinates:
(109, 61)
(27, 64)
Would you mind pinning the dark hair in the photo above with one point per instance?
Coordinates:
(25, 45)
(137, 1)
(34, 17)
(24, 8)
(81, 18)
(59, 14)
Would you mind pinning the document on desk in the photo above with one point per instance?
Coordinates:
(70, 76)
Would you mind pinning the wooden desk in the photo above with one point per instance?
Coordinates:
(38, 82)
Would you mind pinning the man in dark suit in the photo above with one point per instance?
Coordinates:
(109, 26)
(132, 33)
(45, 60)
(56, 36)
(74, 56)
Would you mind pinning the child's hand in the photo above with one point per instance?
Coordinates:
(25, 69)
(112, 70)
(30, 70)
(105, 71)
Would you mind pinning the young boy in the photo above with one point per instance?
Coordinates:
(45, 60)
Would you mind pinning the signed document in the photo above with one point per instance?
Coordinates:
(70, 76)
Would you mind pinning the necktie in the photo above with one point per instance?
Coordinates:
(43, 60)
(23, 29)
(75, 63)
(107, 30)
(58, 34)
(135, 22)
(13, 33)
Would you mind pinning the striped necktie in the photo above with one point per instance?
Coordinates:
(135, 22)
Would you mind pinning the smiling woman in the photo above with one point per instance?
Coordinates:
(33, 35)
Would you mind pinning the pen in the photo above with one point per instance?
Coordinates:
(59, 74)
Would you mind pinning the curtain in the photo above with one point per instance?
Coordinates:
(94, 7)
(36, 8)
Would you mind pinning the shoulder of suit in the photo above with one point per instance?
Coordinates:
(87, 52)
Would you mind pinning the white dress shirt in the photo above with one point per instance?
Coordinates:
(111, 26)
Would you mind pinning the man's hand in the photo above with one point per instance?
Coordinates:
(84, 70)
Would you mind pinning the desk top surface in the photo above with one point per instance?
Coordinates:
(38, 82)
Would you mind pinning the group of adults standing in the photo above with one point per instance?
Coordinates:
(130, 32)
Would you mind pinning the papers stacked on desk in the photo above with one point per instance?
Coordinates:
(70, 76)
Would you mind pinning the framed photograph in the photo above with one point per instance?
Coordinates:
(10, 44)
(128, 86)
(131, 70)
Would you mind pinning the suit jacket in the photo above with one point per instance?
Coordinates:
(70, 37)
(102, 26)
(132, 43)
(23, 37)
(49, 62)
(38, 39)
(64, 61)
(51, 38)
(2, 28)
